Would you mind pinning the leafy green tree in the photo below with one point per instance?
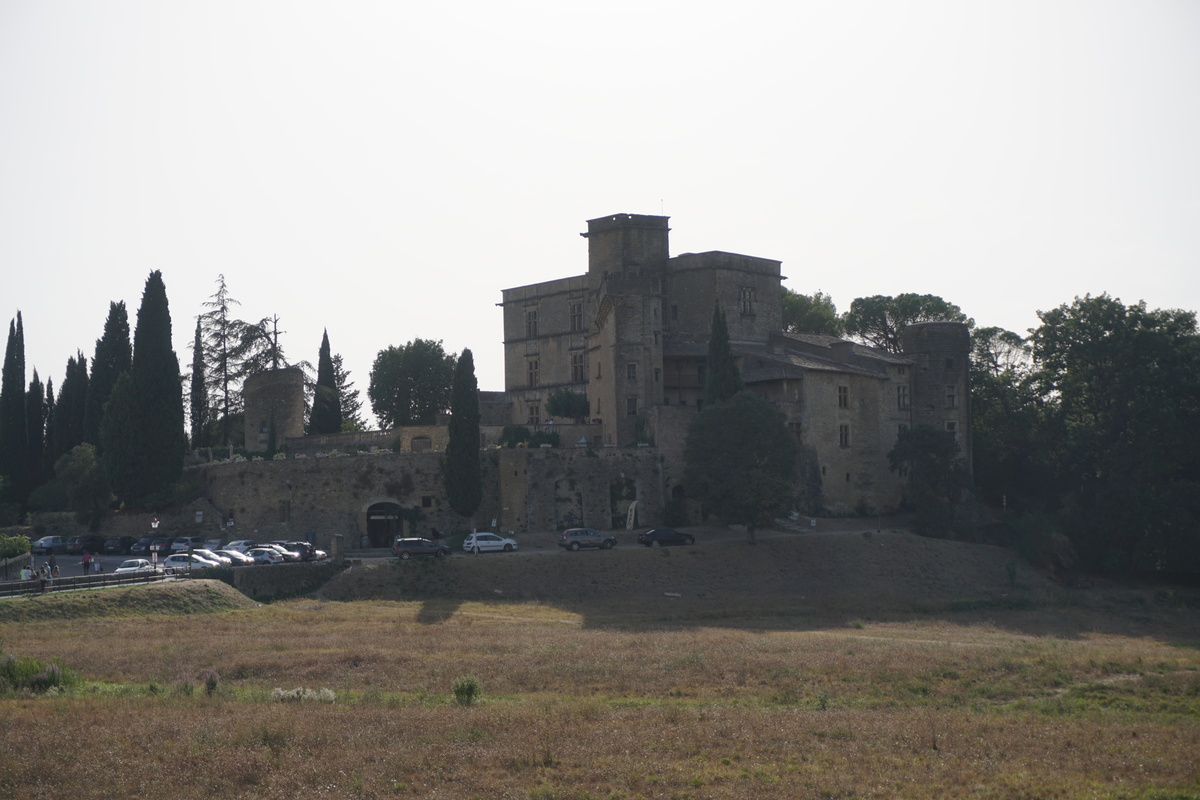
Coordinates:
(1121, 389)
(146, 432)
(721, 378)
(351, 403)
(114, 355)
(71, 407)
(880, 320)
(410, 385)
(937, 477)
(810, 313)
(740, 461)
(14, 432)
(565, 404)
(85, 483)
(198, 408)
(463, 474)
(326, 414)
(13, 546)
(1011, 467)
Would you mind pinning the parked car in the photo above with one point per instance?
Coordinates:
(265, 555)
(119, 545)
(186, 562)
(481, 542)
(184, 543)
(660, 536)
(288, 555)
(405, 549)
(85, 543)
(236, 557)
(161, 544)
(204, 552)
(241, 545)
(142, 546)
(49, 544)
(575, 538)
(134, 565)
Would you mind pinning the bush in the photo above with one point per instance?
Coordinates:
(36, 676)
(467, 690)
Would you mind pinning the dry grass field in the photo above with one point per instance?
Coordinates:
(829, 666)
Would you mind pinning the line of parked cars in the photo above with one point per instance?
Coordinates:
(180, 553)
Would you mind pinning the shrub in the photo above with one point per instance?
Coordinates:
(36, 676)
(467, 690)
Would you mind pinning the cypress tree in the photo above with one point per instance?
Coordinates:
(326, 416)
(149, 425)
(199, 393)
(463, 474)
(113, 356)
(35, 418)
(70, 409)
(721, 378)
(13, 429)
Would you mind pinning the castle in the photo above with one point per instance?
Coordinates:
(631, 335)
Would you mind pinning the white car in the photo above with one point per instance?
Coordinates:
(241, 545)
(134, 565)
(185, 562)
(482, 542)
(265, 555)
(238, 558)
(224, 561)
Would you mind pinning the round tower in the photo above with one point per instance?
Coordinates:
(941, 390)
(274, 398)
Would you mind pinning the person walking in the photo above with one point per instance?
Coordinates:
(87, 562)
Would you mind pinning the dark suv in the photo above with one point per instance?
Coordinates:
(405, 549)
(575, 538)
(85, 543)
(660, 536)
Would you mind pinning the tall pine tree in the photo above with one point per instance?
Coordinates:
(721, 378)
(70, 408)
(146, 428)
(198, 400)
(35, 420)
(114, 355)
(463, 473)
(326, 414)
(14, 432)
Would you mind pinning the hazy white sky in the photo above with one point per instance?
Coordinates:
(384, 169)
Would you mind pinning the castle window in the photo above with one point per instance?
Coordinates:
(631, 406)
(901, 370)
(631, 371)
(901, 397)
(532, 365)
(421, 444)
(949, 363)
(700, 373)
(952, 429)
(535, 415)
(657, 374)
(576, 317)
(843, 397)
(746, 300)
(531, 323)
(578, 368)
(426, 501)
(674, 312)
(951, 396)
(843, 435)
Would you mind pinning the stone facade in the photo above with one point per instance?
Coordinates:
(632, 335)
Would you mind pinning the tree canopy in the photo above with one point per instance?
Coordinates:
(565, 404)
(113, 356)
(880, 320)
(462, 472)
(410, 384)
(810, 313)
(741, 461)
